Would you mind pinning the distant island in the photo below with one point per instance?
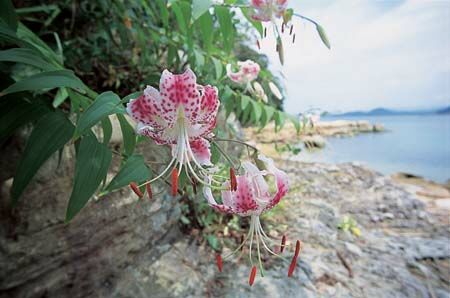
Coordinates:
(389, 112)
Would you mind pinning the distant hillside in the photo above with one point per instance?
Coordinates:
(388, 112)
(444, 110)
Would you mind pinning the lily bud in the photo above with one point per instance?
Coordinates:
(251, 280)
(136, 189)
(174, 182)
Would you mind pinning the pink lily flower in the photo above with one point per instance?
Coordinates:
(248, 72)
(181, 114)
(267, 10)
(251, 198)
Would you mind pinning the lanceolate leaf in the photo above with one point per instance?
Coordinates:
(107, 130)
(226, 26)
(199, 7)
(105, 104)
(7, 14)
(323, 36)
(128, 135)
(50, 134)
(134, 170)
(206, 24)
(256, 111)
(245, 100)
(46, 80)
(91, 167)
(26, 56)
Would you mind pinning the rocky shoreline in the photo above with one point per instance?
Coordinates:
(313, 136)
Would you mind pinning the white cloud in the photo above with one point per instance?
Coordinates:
(384, 53)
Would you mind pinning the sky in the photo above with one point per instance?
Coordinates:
(393, 54)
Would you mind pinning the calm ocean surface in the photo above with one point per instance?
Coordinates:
(418, 145)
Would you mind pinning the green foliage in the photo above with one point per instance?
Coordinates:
(134, 170)
(93, 159)
(105, 104)
(49, 135)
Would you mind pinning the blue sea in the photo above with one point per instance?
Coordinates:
(419, 145)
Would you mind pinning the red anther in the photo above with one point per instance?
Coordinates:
(233, 180)
(292, 266)
(265, 32)
(293, 39)
(136, 189)
(174, 182)
(292, 28)
(297, 248)
(283, 243)
(219, 262)
(282, 28)
(148, 187)
(251, 280)
(259, 46)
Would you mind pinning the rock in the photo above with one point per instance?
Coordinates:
(353, 249)
(43, 256)
(378, 127)
(315, 141)
(388, 215)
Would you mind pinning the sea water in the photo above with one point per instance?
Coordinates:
(414, 144)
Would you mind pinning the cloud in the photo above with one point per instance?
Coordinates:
(384, 53)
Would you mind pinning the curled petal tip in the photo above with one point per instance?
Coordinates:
(219, 262)
(174, 182)
(251, 279)
(136, 189)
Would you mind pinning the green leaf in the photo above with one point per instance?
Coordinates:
(107, 130)
(279, 120)
(131, 96)
(218, 66)
(16, 112)
(50, 134)
(323, 36)
(26, 56)
(8, 14)
(199, 7)
(181, 20)
(46, 80)
(206, 24)
(226, 26)
(245, 100)
(128, 135)
(268, 113)
(105, 104)
(134, 170)
(60, 97)
(91, 167)
(256, 111)
(296, 123)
